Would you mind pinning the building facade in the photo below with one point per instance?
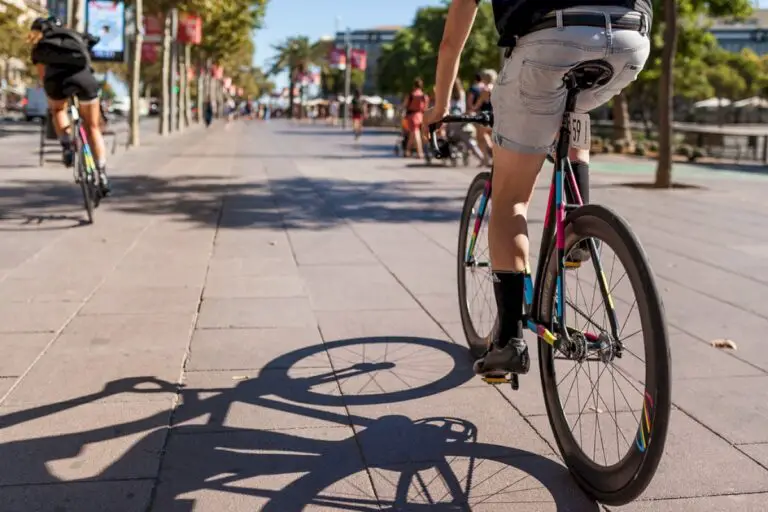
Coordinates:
(751, 33)
(371, 40)
(13, 69)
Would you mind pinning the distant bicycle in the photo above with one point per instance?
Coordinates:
(595, 344)
(85, 171)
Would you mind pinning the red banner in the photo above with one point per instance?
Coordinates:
(149, 53)
(190, 29)
(337, 58)
(358, 58)
(154, 26)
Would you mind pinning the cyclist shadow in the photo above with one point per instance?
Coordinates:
(333, 460)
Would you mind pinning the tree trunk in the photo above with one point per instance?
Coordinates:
(666, 95)
(165, 81)
(621, 124)
(187, 85)
(135, 84)
(291, 86)
(76, 18)
(201, 90)
(173, 76)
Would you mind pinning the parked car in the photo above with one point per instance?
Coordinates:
(35, 104)
(120, 106)
(154, 107)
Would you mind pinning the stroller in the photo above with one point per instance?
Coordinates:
(402, 139)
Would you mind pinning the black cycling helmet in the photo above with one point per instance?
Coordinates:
(40, 24)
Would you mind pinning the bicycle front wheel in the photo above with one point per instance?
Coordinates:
(617, 363)
(476, 303)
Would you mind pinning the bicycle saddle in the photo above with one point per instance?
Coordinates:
(589, 74)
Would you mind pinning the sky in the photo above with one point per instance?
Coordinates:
(316, 18)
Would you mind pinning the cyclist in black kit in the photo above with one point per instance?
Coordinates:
(62, 57)
(544, 40)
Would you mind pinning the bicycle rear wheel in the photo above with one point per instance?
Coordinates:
(86, 184)
(476, 305)
(637, 401)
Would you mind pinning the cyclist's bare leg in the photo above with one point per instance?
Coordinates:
(60, 118)
(514, 177)
(61, 125)
(91, 113)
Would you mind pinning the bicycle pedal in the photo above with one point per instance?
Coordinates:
(496, 380)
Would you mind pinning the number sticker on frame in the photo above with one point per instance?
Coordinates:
(580, 126)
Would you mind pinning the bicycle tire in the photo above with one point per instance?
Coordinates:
(85, 187)
(476, 342)
(628, 478)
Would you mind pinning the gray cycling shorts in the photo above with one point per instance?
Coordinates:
(529, 95)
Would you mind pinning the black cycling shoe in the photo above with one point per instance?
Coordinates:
(68, 154)
(104, 187)
(512, 358)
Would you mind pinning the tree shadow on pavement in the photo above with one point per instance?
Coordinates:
(225, 446)
(294, 202)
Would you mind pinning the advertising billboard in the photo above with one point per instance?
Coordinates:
(105, 19)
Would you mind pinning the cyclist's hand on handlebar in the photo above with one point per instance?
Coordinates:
(433, 116)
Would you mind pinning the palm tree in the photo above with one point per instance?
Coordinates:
(294, 55)
(666, 94)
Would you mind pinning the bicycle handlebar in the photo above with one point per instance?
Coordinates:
(481, 118)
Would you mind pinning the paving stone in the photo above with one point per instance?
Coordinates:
(109, 300)
(261, 312)
(341, 325)
(254, 286)
(278, 470)
(735, 503)
(19, 350)
(268, 399)
(5, 384)
(329, 247)
(123, 496)
(477, 481)
(354, 287)
(81, 440)
(736, 407)
(251, 266)
(18, 317)
(758, 451)
(720, 468)
(229, 349)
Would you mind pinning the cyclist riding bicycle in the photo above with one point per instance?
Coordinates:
(63, 61)
(544, 39)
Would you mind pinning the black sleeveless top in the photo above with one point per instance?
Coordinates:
(516, 17)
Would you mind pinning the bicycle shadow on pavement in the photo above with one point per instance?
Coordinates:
(223, 448)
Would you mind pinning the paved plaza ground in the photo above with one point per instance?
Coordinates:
(265, 317)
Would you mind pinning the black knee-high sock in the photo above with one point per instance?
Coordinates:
(581, 173)
(509, 288)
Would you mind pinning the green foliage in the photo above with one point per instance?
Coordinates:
(12, 34)
(697, 51)
(413, 53)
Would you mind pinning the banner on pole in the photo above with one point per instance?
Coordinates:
(358, 58)
(190, 28)
(337, 58)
